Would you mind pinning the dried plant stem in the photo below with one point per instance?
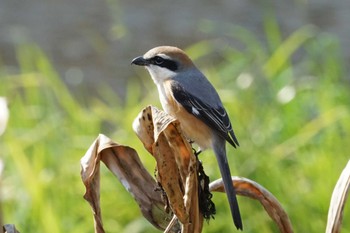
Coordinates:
(338, 200)
(249, 188)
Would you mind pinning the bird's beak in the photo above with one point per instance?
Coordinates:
(140, 61)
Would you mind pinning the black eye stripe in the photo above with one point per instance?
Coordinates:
(163, 62)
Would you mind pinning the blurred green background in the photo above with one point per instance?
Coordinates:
(286, 91)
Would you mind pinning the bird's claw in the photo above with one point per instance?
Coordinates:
(196, 153)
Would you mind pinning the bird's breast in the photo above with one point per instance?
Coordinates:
(192, 127)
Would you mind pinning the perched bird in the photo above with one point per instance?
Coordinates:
(186, 94)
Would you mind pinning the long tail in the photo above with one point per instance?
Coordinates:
(220, 152)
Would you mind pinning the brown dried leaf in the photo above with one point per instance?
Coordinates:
(249, 188)
(124, 163)
(176, 164)
(338, 200)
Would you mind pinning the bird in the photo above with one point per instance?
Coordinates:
(187, 95)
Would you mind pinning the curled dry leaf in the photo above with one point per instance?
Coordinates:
(249, 188)
(338, 200)
(124, 163)
(176, 172)
(176, 164)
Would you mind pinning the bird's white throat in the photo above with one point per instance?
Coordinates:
(160, 74)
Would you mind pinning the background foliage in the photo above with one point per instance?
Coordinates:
(288, 98)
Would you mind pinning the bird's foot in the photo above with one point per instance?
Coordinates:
(196, 153)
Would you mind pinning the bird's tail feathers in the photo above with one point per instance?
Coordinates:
(220, 153)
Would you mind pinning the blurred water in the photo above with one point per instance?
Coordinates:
(89, 41)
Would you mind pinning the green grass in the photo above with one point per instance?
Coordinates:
(288, 100)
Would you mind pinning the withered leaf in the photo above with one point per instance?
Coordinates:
(124, 163)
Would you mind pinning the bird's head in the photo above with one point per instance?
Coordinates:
(164, 62)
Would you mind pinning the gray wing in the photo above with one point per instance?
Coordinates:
(214, 116)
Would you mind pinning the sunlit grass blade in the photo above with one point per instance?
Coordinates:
(284, 52)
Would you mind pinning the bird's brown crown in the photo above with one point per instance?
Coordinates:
(173, 53)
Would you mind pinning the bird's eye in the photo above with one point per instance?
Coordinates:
(158, 60)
